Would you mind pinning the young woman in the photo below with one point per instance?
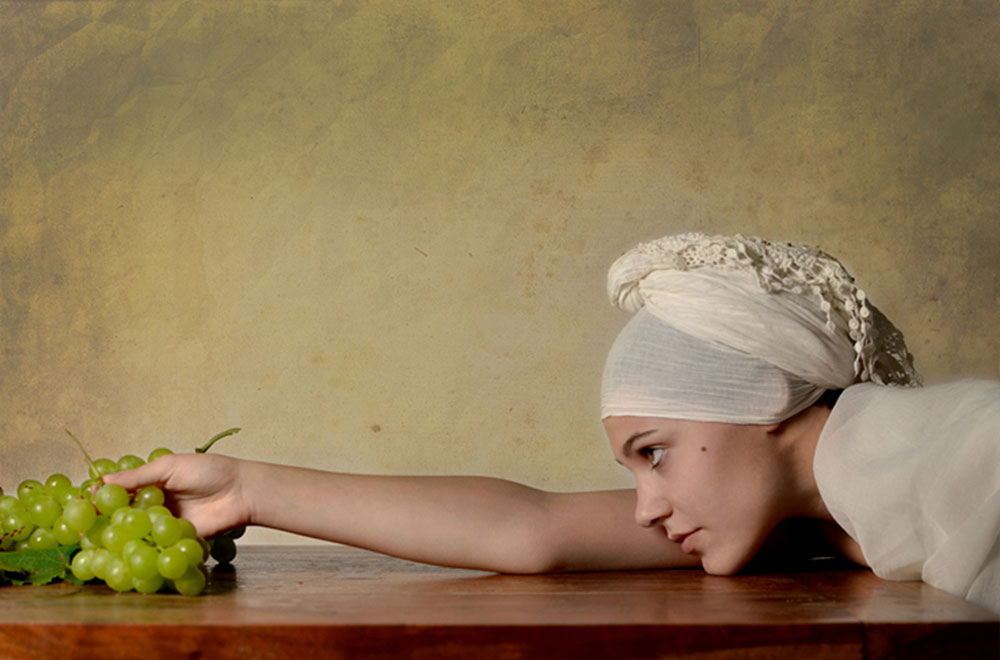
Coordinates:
(761, 402)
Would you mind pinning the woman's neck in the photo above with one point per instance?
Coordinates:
(799, 436)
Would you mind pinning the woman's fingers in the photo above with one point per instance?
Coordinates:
(150, 474)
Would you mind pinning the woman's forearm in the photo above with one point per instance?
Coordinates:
(473, 522)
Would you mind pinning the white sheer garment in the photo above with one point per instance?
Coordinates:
(913, 475)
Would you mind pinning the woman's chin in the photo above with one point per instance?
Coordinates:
(723, 566)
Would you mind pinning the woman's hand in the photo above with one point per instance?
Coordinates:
(204, 488)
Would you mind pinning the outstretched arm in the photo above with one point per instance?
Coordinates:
(468, 522)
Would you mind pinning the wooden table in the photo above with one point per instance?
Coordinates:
(331, 601)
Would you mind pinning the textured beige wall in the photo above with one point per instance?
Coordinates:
(374, 234)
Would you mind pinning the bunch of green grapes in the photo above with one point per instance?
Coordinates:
(128, 541)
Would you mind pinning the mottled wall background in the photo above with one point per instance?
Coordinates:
(374, 234)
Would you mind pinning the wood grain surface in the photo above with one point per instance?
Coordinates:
(337, 602)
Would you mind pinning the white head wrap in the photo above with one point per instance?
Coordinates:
(741, 330)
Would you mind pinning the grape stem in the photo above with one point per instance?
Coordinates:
(218, 436)
(86, 456)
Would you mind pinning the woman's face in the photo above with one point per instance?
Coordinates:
(718, 489)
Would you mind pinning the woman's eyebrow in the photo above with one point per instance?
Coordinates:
(627, 447)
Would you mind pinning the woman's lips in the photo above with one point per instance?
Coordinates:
(687, 541)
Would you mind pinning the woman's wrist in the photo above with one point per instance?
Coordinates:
(245, 477)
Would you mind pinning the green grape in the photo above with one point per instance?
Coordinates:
(166, 531)
(96, 531)
(114, 538)
(79, 515)
(57, 482)
(130, 546)
(187, 529)
(81, 566)
(66, 496)
(110, 497)
(148, 585)
(118, 517)
(117, 575)
(158, 511)
(191, 550)
(8, 503)
(172, 564)
(143, 562)
(17, 525)
(136, 523)
(129, 462)
(224, 549)
(65, 535)
(43, 510)
(191, 583)
(28, 488)
(88, 486)
(156, 453)
(42, 539)
(148, 497)
(101, 467)
(62, 495)
(99, 562)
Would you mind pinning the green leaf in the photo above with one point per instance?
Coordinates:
(35, 566)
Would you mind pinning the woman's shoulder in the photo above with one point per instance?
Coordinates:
(889, 460)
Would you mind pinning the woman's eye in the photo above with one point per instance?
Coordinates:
(653, 455)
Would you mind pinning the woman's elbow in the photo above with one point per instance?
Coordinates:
(531, 551)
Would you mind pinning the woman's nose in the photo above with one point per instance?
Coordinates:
(651, 508)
